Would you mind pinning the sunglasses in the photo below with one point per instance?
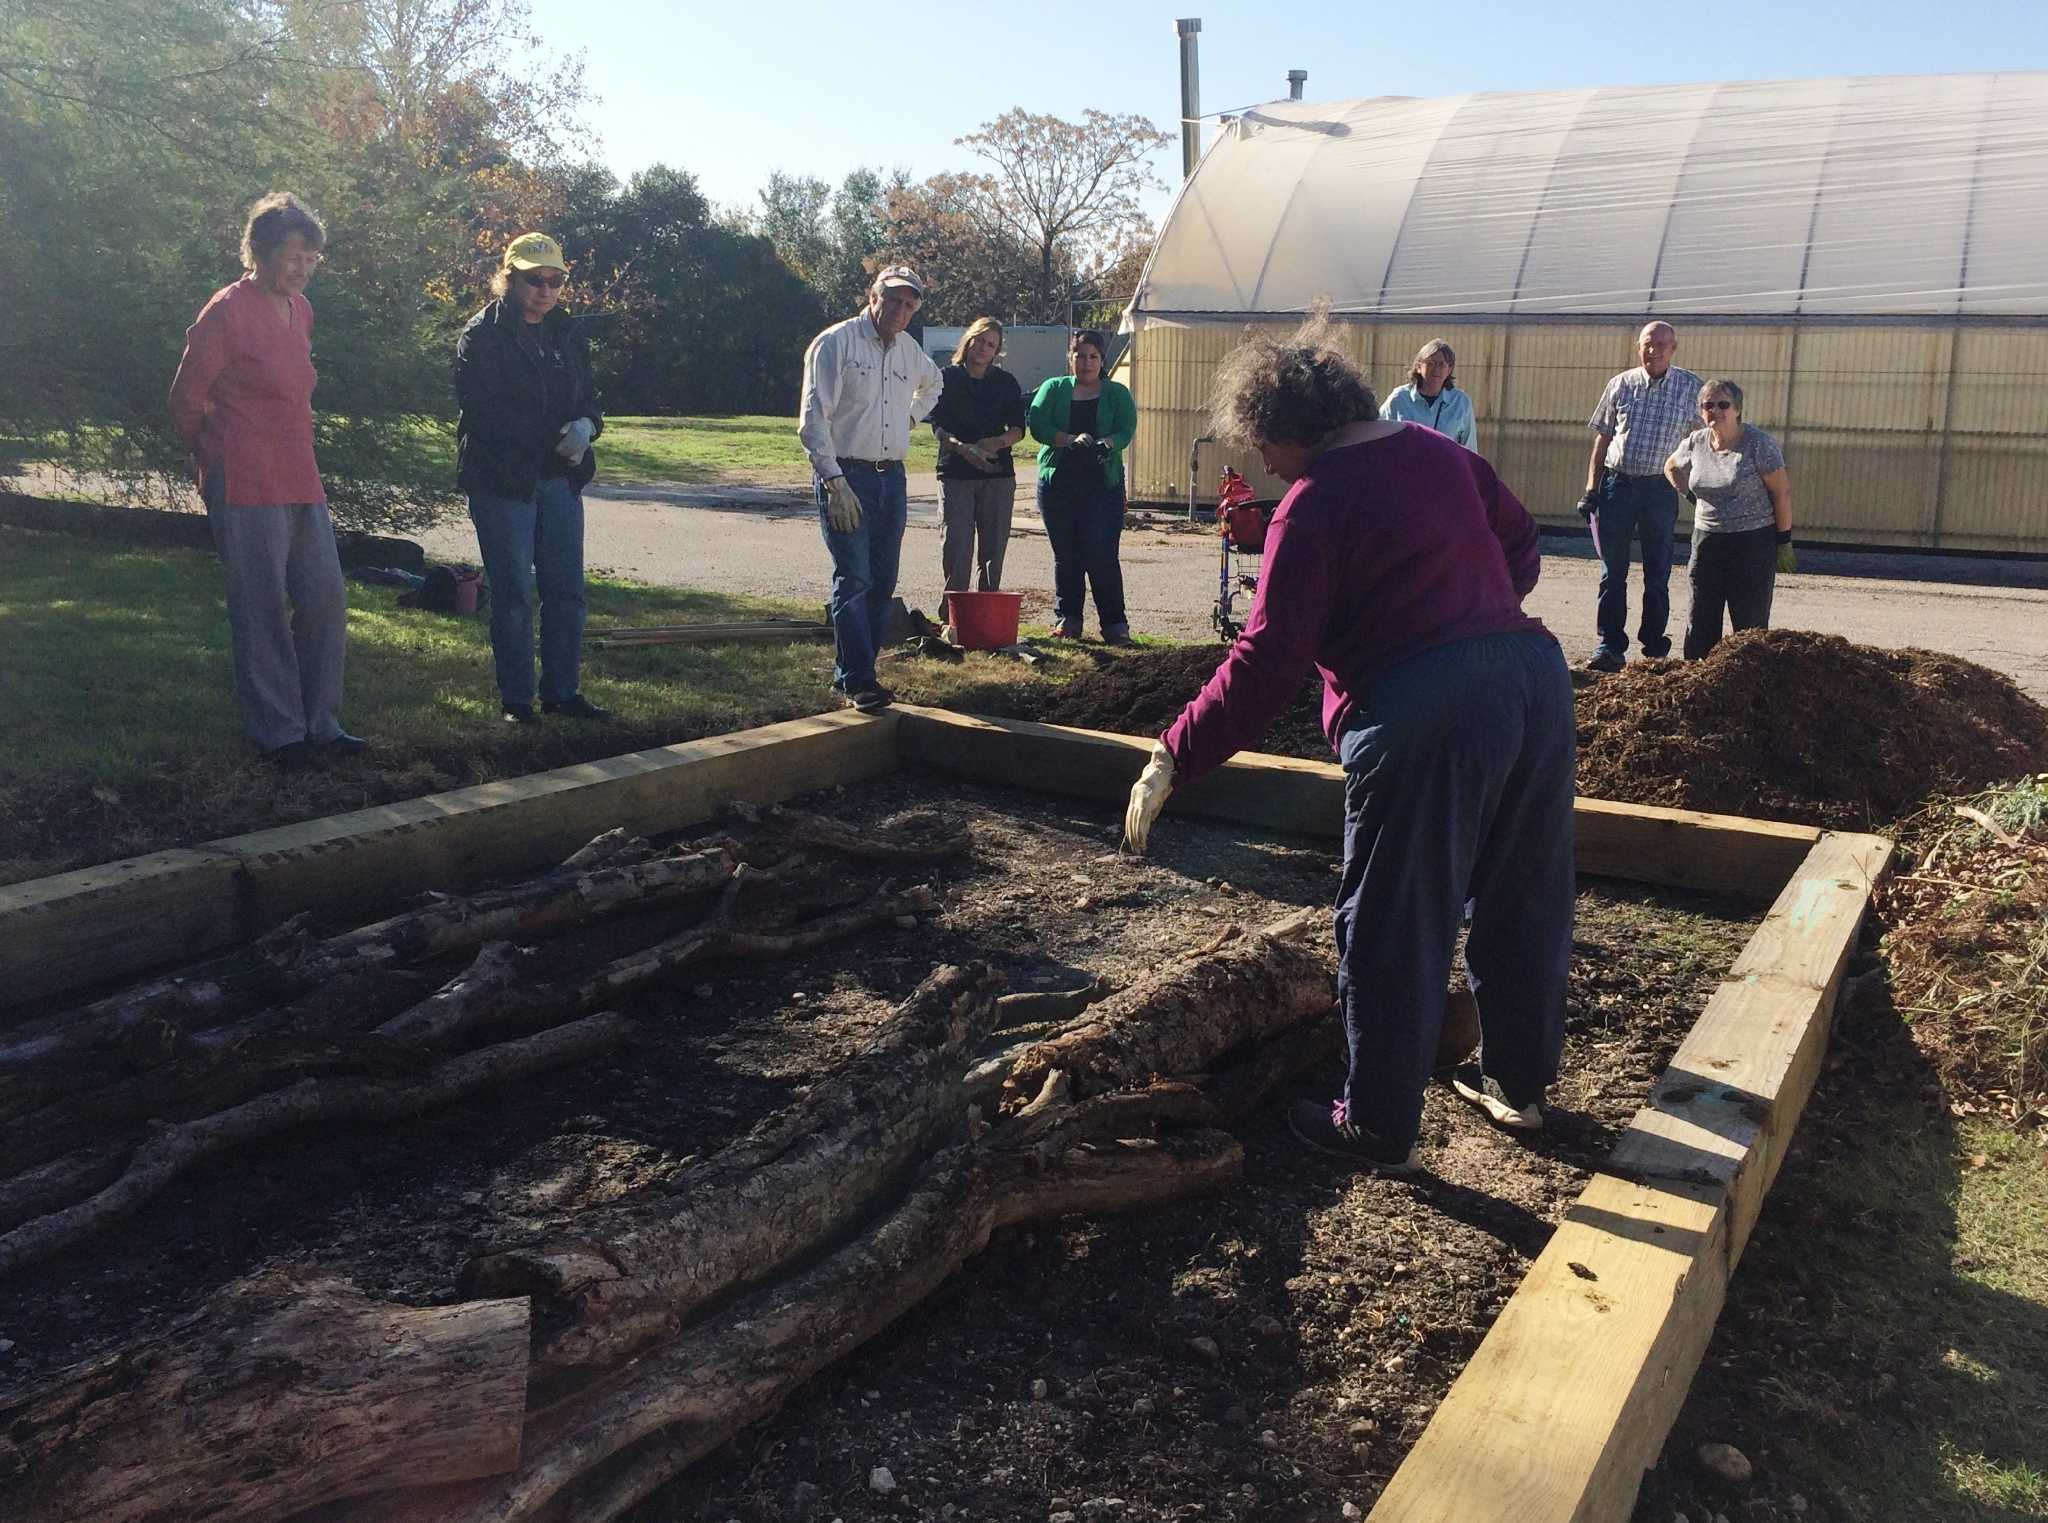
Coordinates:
(1721, 404)
(535, 278)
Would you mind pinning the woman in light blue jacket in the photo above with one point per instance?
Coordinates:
(1431, 396)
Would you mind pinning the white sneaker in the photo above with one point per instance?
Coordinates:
(1485, 1092)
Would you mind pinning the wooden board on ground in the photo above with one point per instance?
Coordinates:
(72, 930)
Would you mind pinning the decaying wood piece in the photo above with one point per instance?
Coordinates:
(1183, 1018)
(631, 1273)
(280, 1394)
(160, 1013)
(590, 1457)
(1039, 1008)
(176, 1148)
(919, 836)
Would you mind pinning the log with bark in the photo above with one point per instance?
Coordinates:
(155, 1019)
(176, 1148)
(280, 1394)
(631, 1273)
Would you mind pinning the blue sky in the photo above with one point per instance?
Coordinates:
(736, 89)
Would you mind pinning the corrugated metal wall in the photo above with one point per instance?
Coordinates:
(1916, 436)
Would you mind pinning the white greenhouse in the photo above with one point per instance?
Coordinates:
(1868, 257)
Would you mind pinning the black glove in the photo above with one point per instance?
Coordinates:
(1589, 504)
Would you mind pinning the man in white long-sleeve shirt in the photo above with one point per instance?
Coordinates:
(865, 388)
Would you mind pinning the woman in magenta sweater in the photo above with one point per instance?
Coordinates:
(1396, 566)
(243, 403)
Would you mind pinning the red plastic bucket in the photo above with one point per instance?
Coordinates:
(984, 620)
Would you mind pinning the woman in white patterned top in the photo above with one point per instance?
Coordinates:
(1734, 476)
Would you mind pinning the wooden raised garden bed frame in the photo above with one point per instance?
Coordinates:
(1568, 1399)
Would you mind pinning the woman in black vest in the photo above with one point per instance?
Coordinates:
(523, 455)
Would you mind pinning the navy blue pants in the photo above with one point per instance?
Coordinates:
(1631, 508)
(1458, 774)
(1086, 527)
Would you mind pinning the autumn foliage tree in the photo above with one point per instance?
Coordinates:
(1071, 192)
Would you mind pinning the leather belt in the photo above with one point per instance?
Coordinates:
(871, 465)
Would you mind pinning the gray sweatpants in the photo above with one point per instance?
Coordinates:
(287, 617)
(976, 511)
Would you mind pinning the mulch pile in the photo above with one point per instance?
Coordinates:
(1780, 724)
(1775, 724)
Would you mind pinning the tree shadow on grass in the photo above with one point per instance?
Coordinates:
(1858, 1363)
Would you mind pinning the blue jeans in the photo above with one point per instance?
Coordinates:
(535, 543)
(1086, 527)
(864, 562)
(1458, 771)
(1645, 508)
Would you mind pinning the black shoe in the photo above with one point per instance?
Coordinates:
(1119, 637)
(872, 697)
(292, 756)
(520, 713)
(1327, 1129)
(1476, 1088)
(1605, 661)
(575, 706)
(343, 744)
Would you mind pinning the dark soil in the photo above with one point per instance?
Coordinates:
(1774, 724)
(1340, 1307)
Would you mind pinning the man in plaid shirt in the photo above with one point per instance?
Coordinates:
(1642, 416)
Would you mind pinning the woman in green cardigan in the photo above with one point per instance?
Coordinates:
(1083, 424)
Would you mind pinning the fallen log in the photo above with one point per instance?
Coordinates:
(591, 1457)
(632, 1273)
(279, 1395)
(918, 836)
(1241, 990)
(175, 1148)
(159, 1014)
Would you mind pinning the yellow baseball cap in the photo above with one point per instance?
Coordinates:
(535, 251)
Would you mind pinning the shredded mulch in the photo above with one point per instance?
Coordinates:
(1775, 724)
(1780, 724)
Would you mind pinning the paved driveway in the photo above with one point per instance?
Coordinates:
(764, 540)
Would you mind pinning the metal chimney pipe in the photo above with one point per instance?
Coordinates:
(1296, 78)
(1189, 28)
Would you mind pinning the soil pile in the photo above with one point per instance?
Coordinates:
(1781, 724)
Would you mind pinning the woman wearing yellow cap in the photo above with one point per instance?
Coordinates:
(523, 455)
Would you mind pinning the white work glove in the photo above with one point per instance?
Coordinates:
(1148, 797)
(842, 508)
(575, 440)
(994, 444)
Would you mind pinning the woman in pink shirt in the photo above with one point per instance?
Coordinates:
(1396, 566)
(243, 403)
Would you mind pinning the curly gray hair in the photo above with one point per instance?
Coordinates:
(1293, 393)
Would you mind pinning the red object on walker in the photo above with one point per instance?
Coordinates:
(1241, 520)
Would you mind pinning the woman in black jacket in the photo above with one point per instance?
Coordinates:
(523, 455)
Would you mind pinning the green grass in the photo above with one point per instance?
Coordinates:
(1884, 1349)
(649, 451)
(122, 736)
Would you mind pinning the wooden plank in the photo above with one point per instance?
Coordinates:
(1716, 853)
(1727, 1106)
(358, 863)
(1569, 1396)
(1686, 848)
(1561, 1410)
(78, 928)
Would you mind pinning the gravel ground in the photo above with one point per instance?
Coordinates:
(763, 540)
